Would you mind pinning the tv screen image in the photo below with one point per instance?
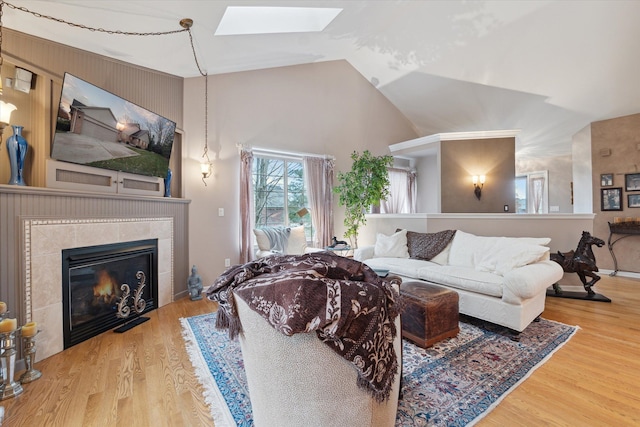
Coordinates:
(97, 128)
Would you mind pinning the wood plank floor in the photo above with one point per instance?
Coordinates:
(144, 377)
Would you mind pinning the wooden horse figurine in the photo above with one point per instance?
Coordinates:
(581, 261)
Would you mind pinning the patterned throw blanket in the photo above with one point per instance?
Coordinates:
(351, 309)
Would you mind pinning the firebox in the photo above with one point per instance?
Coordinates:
(107, 286)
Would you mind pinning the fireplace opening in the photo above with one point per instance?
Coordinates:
(107, 286)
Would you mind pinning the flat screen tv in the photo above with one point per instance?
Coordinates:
(97, 128)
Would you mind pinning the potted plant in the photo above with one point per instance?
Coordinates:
(363, 186)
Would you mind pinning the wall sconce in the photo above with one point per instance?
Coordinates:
(477, 189)
(5, 114)
(206, 167)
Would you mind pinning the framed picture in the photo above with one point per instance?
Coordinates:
(611, 199)
(632, 181)
(606, 180)
(633, 200)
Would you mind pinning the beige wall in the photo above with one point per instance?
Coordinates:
(460, 160)
(320, 108)
(158, 92)
(622, 136)
(560, 178)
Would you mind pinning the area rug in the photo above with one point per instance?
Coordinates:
(454, 383)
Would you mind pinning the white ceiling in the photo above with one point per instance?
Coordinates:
(548, 68)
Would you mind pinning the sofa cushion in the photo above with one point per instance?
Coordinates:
(407, 267)
(506, 258)
(467, 250)
(394, 246)
(465, 278)
(428, 245)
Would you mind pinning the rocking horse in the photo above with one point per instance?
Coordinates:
(583, 262)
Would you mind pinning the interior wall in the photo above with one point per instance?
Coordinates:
(158, 92)
(427, 184)
(582, 168)
(615, 149)
(560, 178)
(320, 108)
(492, 157)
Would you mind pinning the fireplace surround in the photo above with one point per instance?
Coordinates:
(44, 241)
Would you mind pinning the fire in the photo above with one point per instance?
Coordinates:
(105, 290)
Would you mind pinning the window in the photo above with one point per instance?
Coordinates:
(280, 193)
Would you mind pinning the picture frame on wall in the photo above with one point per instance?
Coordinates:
(611, 199)
(632, 181)
(633, 200)
(606, 180)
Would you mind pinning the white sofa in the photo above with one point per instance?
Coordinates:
(502, 280)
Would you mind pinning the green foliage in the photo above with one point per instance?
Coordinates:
(146, 162)
(364, 185)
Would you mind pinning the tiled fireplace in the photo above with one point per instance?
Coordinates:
(44, 242)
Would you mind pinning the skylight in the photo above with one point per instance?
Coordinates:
(270, 20)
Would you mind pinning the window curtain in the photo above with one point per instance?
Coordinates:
(246, 206)
(318, 174)
(537, 186)
(402, 192)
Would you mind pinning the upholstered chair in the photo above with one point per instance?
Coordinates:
(299, 381)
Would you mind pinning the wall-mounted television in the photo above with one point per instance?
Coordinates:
(99, 129)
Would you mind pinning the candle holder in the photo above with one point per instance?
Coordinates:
(29, 350)
(9, 387)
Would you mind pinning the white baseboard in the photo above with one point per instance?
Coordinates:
(620, 273)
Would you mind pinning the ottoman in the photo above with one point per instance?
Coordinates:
(430, 314)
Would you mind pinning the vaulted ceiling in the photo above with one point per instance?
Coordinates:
(548, 68)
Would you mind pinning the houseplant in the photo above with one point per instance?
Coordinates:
(363, 186)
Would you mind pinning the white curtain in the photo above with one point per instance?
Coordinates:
(318, 174)
(537, 187)
(402, 192)
(246, 206)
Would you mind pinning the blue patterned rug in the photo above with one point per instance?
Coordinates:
(454, 383)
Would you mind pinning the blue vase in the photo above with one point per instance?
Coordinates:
(167, 184)
(17, 148)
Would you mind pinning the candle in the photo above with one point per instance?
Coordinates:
(3, 307)
(8, 325)
(29, 329)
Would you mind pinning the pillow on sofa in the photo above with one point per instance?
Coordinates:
(427, 245)
(509, 257)
(297, 241)
(468, 249)
(394, 246)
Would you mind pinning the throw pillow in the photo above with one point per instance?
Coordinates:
(262, 240)
(509, 257)
(297, 243)
(427, 245)
(394, 246)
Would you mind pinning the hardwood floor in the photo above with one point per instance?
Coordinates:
(144, 377)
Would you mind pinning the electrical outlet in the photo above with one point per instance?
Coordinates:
(227, 262)
(506, 208)
(220, 211)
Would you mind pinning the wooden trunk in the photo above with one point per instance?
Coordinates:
(430, 314)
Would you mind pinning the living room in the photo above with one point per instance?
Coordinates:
(324, 107)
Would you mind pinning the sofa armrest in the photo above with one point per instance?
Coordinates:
(260, 253)
(528, 281)
(309, 250)
(363, 253)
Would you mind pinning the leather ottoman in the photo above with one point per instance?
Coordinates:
(430, 314)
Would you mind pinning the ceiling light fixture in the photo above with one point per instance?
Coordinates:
(206, 166)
